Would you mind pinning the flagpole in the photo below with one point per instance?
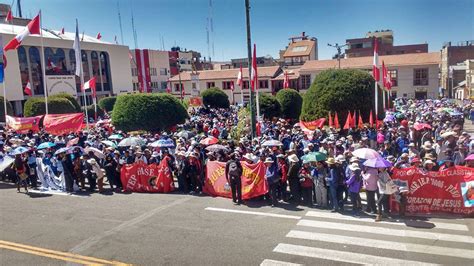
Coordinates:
(43, 67)
(376, 100)
(383, 96)
(242, 94)
(82, 79)
(5, 97)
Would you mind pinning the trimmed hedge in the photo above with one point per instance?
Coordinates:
(340, 90)
(150, 112)
(269, 106)
(107, 103)
(91, 112)
(2, 109)
(56, 105)
(215, 98)
(291, 103)
(71, 98)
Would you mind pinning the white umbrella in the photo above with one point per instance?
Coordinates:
(7, 161)
(131, 141)
(366, 153)
(272, 143)
(96, 152)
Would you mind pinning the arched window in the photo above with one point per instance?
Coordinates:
(36, 72)
(95, 69)
(105, 71)
(85, 66)
(61, 61)
(72, 69)
(24, 68)
(55, 61)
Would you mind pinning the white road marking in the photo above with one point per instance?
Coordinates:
(342, 256)
(439, 225)
(278, 263)
(255, 213)
(382, 244)
(386, 231)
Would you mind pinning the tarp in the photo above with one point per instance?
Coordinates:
(22, 125)
(59, 124)
(446, 191)
(253, 180)
(139, 177)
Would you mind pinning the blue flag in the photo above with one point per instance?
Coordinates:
(2, 73)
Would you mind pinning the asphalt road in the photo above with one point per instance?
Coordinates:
(174, 229)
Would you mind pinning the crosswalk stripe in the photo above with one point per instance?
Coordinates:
(254, 213)
(278, 263)
(342, 256)
(439, 225)
(382, 244)
(386, 231)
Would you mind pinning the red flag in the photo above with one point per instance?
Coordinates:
(379, 123)
(98, 36)
(330, 120)
(353, 120)
(239, 77)
(347, 125)
(336, 122)
(9, 16)
(254, 74)
(27, 89)
(232, 86)
(168, 86)
(375, 66)
(286, 82)
(33, 27)
(371, 119)
(90, 85)
(387, 80)
(360, 122)
(62, 31)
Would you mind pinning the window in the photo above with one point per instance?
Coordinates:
(85, 66)
(227, 85)
(55, 61)
(105, 71)
(24, 69)
(36, 72)
(176, 87)
(134, 72)
(393, 74)
(152, 71)
(420, 76)
(245, 85)
(305, 81)
(263, 84)
(95, 69)
(163, 71)
(210, 84)
(164, 85)
(299, 48)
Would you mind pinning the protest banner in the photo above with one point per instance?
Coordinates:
(445, 191)
(253, 180)
(22, 125)
(139, 177)
(312, 125)
(59, 124)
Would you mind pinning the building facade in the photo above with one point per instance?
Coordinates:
(300, 49)
(361, 47)
(451, 55)
(150, 70)
(107, 62)
(413, 75)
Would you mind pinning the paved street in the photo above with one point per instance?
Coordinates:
(172, 229)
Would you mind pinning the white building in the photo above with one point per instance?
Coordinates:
(150, 70)
(108, 62)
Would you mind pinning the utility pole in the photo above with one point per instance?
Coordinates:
(338, 47)
(253, 128)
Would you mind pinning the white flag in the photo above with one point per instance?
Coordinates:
(77, 52)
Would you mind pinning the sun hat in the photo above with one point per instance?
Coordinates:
(427, 145)
(269, 160)
(331, 160)
(280, 156)
(428, 162)
(155, 154)
(293, 158)
(354, 166)
(354, 159)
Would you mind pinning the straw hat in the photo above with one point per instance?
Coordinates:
(269, 160)
(354, 159)
(354, 166)
(430, 157)
(293, 158)
(331, 161)
(427, 145)
(155, 154)
(428, 162)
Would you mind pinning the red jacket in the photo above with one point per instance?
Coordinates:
(284, 171)
(308, 181)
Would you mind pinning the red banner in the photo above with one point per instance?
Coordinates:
(139, 177)
(449, 191)
(59, 124)
(22, 125)
(253, 180)
(195, 101)
(312, 125)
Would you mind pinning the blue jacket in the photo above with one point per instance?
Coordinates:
(334, 177)
(271, 175)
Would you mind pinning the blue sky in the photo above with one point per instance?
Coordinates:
(183, 22)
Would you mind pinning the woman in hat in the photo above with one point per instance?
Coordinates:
(272, 178)
(110, 165)
(306, 182)
(21, 169)
(194, 173)
(98, 173)
(354, 184)
(333, 180)
(293, 180)
(370, 178)
(321, 190)
(386, 189)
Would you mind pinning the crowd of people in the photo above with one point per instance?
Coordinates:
(319, 169)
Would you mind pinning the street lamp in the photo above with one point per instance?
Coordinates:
(338, 47)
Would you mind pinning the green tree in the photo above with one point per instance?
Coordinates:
(2, 109)
(339, 90)
(107, 103)
(71, 98)
(215, 98)
(269, 106)
(56, 105)
(291, 102)
(149, 112)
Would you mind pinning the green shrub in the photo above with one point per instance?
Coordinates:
(56, 105)
(149, 112)
(215, 98)
(243, 126)
(269, 106)
(291, 102)
(91, 112)
(107, 103)
(71, 98)
(2, 109)
(339, 90)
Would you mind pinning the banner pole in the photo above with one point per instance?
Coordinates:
(5, 99)
(43, 67)
(376, 101)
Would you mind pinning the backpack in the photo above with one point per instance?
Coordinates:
(234, 170)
